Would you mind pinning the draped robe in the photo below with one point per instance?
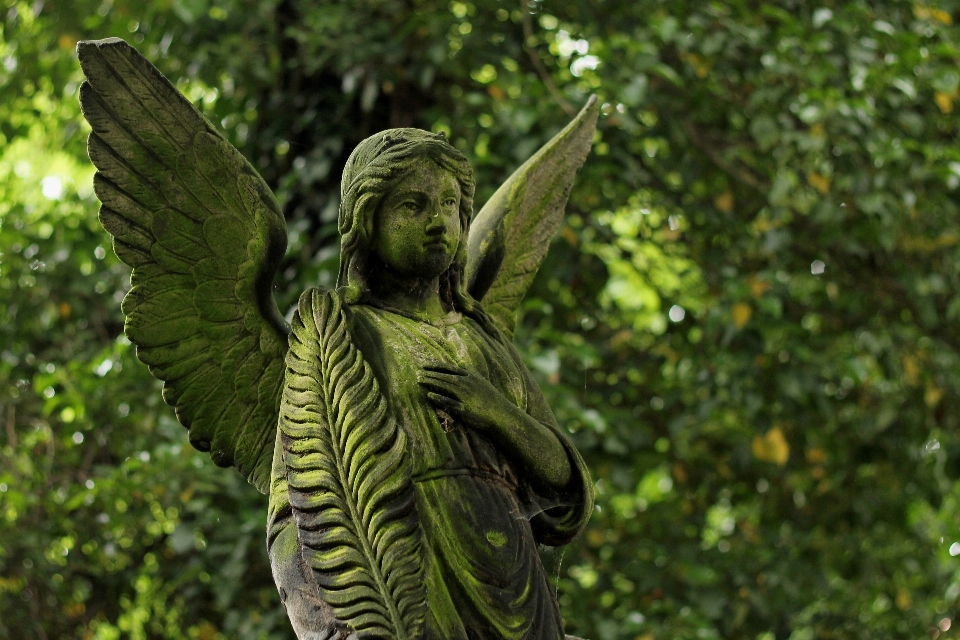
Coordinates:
(481, 515)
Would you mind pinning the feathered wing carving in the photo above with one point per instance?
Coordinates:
(204, 236)
(510, 236)
(349, 477)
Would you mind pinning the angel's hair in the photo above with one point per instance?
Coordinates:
(374, 167)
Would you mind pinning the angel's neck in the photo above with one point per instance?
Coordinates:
(413, 295)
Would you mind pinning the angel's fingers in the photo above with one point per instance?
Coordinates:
(443, 401)
(447, 379)
(448, 369)
(440, 388)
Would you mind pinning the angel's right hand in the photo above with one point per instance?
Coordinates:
(467, 396)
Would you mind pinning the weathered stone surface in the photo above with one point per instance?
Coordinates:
(411, 461)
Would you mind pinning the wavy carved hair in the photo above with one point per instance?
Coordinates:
(372, 170)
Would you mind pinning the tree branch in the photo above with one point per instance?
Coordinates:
(538, 63)
(11, 431)
(734, 172)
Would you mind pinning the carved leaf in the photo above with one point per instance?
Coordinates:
(510, 236)
(204, 236)
(349, 480)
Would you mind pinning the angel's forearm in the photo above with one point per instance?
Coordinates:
(534, 446)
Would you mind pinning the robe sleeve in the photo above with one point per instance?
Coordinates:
(558, 515)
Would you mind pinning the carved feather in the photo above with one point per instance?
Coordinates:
(510, 236)
(204, 236)
(348, 471)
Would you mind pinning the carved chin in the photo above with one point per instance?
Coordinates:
(435, 263)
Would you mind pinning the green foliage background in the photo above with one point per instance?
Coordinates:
(748, 323)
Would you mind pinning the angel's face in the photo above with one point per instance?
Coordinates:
(417, 228)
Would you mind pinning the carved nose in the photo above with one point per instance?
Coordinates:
(435, 221)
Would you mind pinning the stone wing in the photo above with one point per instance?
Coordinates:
(204, 236)
(510, 236)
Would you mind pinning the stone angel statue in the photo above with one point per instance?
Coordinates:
(411, 462)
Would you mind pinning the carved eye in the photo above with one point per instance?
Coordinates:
(409, 205)
(450, 202)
